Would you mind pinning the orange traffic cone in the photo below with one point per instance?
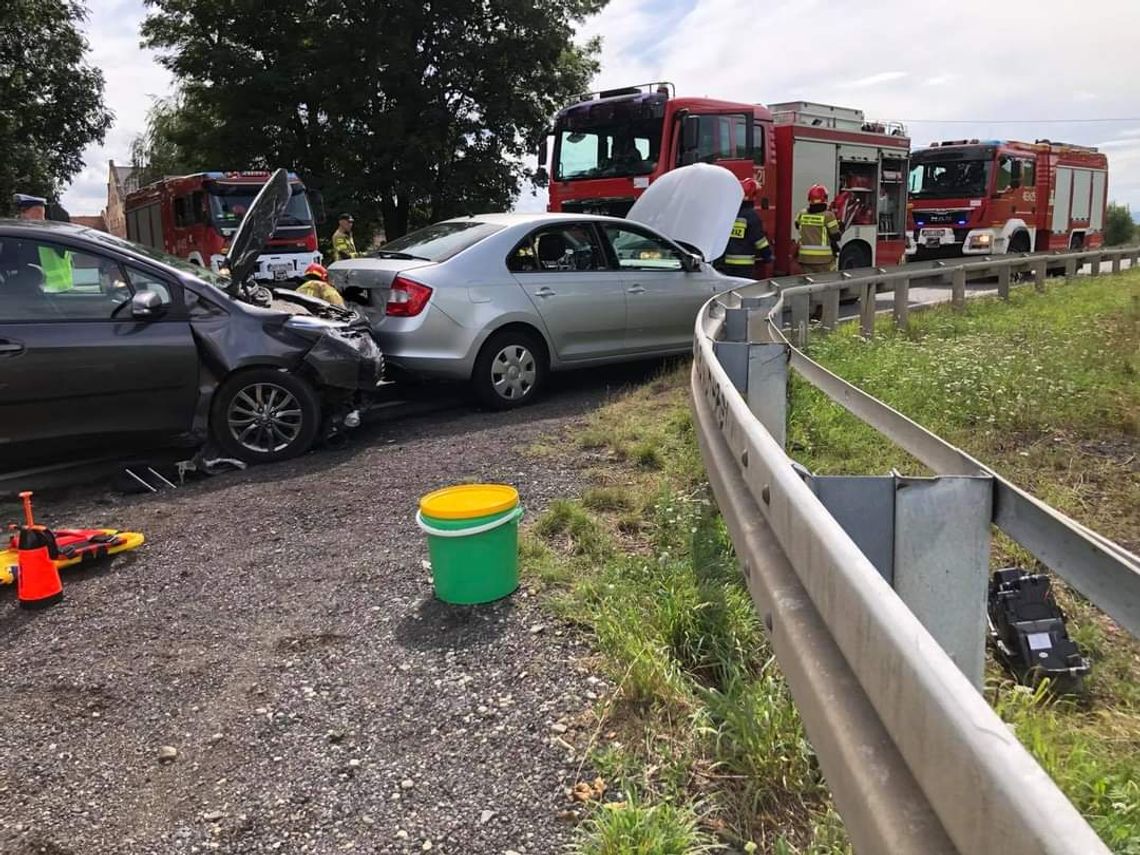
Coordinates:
(37, 582)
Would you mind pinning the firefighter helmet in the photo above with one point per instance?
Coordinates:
(817, 195)
(316, 271)
(750, 187)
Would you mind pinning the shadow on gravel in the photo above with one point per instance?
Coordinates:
(11, 621)
(436, 625)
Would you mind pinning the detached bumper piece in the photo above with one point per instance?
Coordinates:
(1029, 634)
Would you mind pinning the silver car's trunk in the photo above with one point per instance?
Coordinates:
(372, 275)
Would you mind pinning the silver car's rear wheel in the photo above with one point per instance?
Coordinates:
(513, 372)
(511, 369)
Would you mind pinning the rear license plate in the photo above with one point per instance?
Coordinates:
(279, 271)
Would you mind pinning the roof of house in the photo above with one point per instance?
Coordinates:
(95, 221)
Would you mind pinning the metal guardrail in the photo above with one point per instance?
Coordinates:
(916, 759)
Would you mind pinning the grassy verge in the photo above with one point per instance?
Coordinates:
(698, 742)
(1046, 390)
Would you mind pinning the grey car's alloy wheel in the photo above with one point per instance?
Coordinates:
(264, 418)
(264, 415)
(511, 370)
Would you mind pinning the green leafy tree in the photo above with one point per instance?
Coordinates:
(1119, 227)
(393, 108)
(51, 100)
(166, 145)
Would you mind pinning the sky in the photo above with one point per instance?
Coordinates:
(971, 68)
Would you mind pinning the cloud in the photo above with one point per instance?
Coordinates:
(133, 79)
(874, 80)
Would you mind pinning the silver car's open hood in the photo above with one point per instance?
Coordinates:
(695, 204)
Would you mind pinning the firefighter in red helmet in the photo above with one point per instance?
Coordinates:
(747, 245)
(316, 284)
(819, 233)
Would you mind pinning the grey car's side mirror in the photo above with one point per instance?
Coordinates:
(145, 304)
(690, 263)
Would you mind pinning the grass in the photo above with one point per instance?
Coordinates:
(699, 742)
(1046, 390)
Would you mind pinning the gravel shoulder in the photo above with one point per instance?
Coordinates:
(278, 631)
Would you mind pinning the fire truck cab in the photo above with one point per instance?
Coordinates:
(992, 197)
(195, 216)
(610, 146)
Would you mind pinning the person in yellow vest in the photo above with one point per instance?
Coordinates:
(54, 262)
(316, 284)
(819, 233)
(343, 245)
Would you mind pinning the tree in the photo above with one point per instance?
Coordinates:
(166, 146)
(51, 100)
(388, 106)
(1118, 225)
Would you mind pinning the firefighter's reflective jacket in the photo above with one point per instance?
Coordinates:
(747, 242)
(343, 246)
(819, 235)
(322, 291)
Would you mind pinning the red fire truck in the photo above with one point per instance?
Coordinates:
(990, 197)
(611, 145)
(195, 216)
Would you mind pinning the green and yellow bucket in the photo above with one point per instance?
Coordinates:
(473, 541)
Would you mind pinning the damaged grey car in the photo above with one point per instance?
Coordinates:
(107, 346)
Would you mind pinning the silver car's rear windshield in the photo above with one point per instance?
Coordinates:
(437, 242)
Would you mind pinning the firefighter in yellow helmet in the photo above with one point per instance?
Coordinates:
(316, 284)
(819, 233)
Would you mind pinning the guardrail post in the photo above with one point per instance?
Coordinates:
(1070, 268)
(1039, 271)
(902, 303)
(942, 561)
(1003, 281)
(1094, 270)
(1116, 263)
(767, 387)
(830, 304)
(801, 314)
(958, 288)
(867, 309)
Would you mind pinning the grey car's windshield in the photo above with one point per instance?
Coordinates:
(206, 275)
(437, 242)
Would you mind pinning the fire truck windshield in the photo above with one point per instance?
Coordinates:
(947, 179)
(608, 150)
(229, 202)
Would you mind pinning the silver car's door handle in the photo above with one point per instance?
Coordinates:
(637, 289)
(544, 292)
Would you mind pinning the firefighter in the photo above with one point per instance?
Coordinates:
(819, 233)
(342, 244)
(748, 245)
(316, 284)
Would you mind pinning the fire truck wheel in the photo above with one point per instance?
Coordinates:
(854, 256)
(264, 415)
(1019, 243)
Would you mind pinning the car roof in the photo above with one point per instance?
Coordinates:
(47, 226)
(516, 218)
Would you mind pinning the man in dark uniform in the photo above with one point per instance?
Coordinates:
(748, 245)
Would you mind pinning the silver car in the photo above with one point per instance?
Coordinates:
(500, 300)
